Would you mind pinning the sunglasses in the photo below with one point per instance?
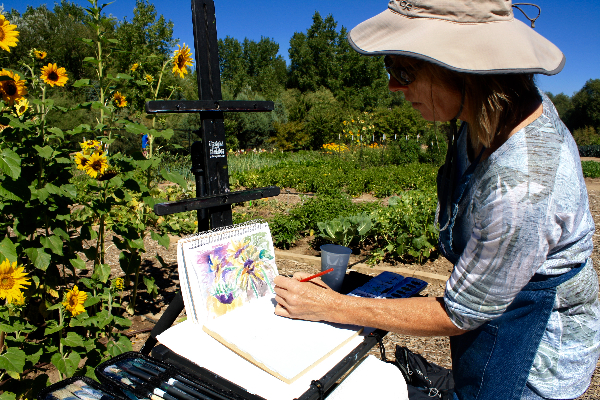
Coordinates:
(399, 73)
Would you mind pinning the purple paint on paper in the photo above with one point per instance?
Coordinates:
(225, 298)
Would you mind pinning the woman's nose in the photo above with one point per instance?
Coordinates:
(395, 86)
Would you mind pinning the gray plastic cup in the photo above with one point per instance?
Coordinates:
(336, 257)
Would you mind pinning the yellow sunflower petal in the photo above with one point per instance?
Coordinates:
(8, 34)
(12, 89)
(74, 301)
(12, 280)
(182, 58)
(96, 165)
(52, 75)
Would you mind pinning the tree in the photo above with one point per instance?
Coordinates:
(146, 39)
(313, 58)
(564, 106)
(586, 107)
(251, 65)
(57, 33)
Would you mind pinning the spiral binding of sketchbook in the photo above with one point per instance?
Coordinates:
(222, 269)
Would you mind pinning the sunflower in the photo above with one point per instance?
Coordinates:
(53, 75)
(120, 100)
(12, 89)
(149, 78)
(181, 59)
(97, 164)
(21, 107)
(18, 300)
(75, 300)
(12, 280)
(118, 283)
(134, 67)
(40, 55)
(81, 160)
(91, 145)
(8, 35)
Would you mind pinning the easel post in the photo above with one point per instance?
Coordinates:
(209, 155)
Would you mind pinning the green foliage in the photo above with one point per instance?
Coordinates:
(586, 136)
(586, 107)
(405, 229)
(345, 230)
(591, 169)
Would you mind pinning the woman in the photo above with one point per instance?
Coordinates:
(521, 305)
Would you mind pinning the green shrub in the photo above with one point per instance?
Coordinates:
(591, 169)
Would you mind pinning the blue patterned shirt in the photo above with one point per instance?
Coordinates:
(528, 213)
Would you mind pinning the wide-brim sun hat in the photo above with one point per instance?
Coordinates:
(472, 36)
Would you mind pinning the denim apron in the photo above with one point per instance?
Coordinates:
(493, 361)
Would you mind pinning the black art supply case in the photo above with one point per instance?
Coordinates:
(107, 389)
(217, 388)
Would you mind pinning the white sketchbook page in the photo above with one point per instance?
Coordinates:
(191, 342)
(372, 379)
(284, 347)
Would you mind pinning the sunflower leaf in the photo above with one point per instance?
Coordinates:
(81, 82)
(10, 163)
(13, 360)
(174, 177)
(8, 250)
(78, 263)
(164, 240)
(72, 340)
(39, 258)
(101, 272)
(52, 327)
(92, 60)
(45, 152)
(121, 346)
(124, 76)
(67, 365)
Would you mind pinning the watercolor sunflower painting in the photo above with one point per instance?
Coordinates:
(236, 270)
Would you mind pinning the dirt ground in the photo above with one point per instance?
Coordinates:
(435, 349)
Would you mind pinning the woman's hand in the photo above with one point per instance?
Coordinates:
(310, 300)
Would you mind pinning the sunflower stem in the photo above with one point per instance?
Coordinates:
(60, 335)
(135, 288)
(2, 337)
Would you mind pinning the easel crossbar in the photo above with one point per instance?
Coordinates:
(190, 106)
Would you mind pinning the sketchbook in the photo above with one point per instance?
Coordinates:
(222, 269)
(226, 279)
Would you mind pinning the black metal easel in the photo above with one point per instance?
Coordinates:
(209, 155)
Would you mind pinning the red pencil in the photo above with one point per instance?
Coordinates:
(317, 275)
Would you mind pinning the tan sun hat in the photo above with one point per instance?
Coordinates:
(473, 36)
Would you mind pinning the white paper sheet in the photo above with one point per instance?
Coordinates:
(372, 379)
(283, 346)
(190, 341)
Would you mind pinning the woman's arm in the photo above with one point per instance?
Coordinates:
(314, 301)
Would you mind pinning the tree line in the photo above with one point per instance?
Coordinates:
(320, 97)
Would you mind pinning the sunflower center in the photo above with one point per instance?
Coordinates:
(96, 165)
(181, 61)
(73, 301)
(2, 35)
(6, 283)
(11, 88)
(53, 76)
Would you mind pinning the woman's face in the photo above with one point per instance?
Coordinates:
(433, 99)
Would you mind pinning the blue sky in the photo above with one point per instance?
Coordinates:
(571, 25)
